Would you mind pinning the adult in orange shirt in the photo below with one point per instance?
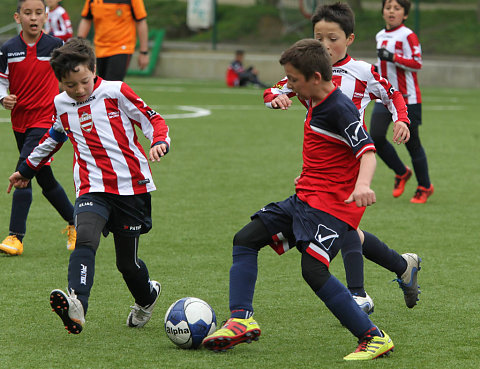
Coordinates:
(116, 23)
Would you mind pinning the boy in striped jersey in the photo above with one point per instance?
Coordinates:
(333, 25)
(399, 59)
(112, 178)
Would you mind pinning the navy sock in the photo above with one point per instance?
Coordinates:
(81, 270)
(420, 167)
(378, 252)
(243, 276)
(139, 286)
(58, 198)
(340, 302)
(353, 262)
(21, 201)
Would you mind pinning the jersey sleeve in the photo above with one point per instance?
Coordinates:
(68, 27)
(412, 55)
(49, 144)
(280, 88)
(139, 11)
(86, 11)
(380, 88)
(152, 124)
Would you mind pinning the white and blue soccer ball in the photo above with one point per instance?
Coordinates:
(188, 321)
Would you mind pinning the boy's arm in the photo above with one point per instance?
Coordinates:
(84, 27)
(278, 96)
(68, 26)
(362, 194)
(411, 62)
(142, 32)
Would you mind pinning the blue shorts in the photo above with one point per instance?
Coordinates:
(126, 215)
(293, 222)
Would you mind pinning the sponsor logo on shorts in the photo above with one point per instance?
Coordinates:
(86, 203)
(132, 228)
(326, 236)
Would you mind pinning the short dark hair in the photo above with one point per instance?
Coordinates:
(70, 55)
(20, 3)
(340, 13)
(309, 56)
(405, 4)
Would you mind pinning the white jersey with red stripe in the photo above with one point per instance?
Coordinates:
(359, 81)
(107, 154)
(59, 24)
(402, 73)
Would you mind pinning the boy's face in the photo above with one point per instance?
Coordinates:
(31, 17)
(332, 36)
(79, 84)
(52, 4)
(393, 14)
(305, 89)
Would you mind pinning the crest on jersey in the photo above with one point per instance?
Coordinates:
(356, 133)
(86, 122)
(325, 236)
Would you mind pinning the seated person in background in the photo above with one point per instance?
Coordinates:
(238, 76)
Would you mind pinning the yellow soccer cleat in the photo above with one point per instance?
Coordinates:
(371, 347)
(233, 332)
(11, 246)
(71, 235)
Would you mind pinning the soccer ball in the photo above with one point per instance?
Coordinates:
(188, 321)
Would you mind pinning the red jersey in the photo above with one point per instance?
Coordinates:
(334, 140)
(402, 73)
(107, 155)
(358, 80)
(27, 73)
(59, 24)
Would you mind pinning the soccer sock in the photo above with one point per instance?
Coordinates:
(378, 252)
(21, 201)
(243, 276)
(339, 301)
(353, 262)
(139, 285)
(81, 270)
(420, 166)
(58, 198)
(389, 155)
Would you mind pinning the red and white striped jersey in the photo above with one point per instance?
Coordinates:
(107, 154)
(402, 73)
(358, 80)
(59, 24)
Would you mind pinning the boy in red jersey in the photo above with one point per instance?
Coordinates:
(58, 23)
(112, 178)
(399, 58)
(333, 25)
(331, 195)
(27, 88)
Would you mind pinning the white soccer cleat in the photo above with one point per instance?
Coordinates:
(140, 315)
(69, 309)
(365, 303)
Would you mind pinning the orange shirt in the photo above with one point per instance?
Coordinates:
(114, 23)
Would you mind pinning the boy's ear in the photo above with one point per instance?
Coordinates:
(350, 39)
(16, 16)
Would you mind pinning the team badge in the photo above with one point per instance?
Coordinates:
(119, 12)
(86, 122)
(325, 236)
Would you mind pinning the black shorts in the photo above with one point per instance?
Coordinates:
(27, 141)
(127, 215)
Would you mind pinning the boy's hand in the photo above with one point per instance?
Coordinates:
(281, 102)
(157, 151)
(295, 181)
(9, 101)
(17, 181)
(386, 55)
(363, 195)
(401, 132)
(143, 61)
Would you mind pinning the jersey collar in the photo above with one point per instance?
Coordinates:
(343, 61)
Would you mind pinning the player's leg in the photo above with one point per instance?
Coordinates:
(379, 123)
(55, 194)
(418, 156)
(353, 264)
(241, 327)
(21, 201)
(72, 306)
(114, 68)
(405, 266)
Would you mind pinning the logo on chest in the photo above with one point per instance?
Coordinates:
(86, 122)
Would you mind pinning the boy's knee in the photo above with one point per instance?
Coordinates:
(314, 272)
(254, 235)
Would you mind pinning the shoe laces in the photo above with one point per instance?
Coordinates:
(139, 311)
(398, 179)
(363, 343)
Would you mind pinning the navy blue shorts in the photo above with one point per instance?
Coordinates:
(294, 223)
(27, 141)
(127, 215)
